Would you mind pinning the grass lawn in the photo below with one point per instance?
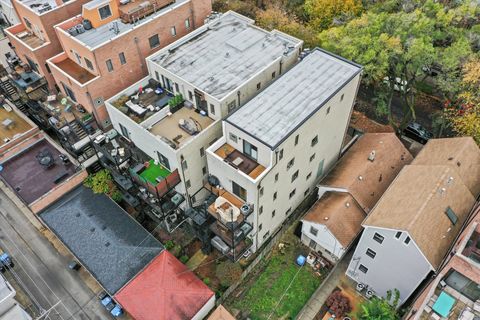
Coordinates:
(154, 171)
(262, 299)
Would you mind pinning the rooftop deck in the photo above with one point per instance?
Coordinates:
(40, 6)
(240, 161)
(174, 132)
(29, 178)
(63, 109)
(11, 125)
(31, 39)
(75, 71)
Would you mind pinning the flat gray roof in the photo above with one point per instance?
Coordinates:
(102, 236)
(229, 51)
(97, 36)
(277, 111)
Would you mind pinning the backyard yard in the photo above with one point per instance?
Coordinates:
(278, 288)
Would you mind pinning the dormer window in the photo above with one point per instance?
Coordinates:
(104, 12)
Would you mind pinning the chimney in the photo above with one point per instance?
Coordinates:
(371, 156)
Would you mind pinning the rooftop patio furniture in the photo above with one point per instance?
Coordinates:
(444, 304)
(136, 108)
(8, 123)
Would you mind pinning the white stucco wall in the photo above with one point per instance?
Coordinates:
(326, 243)
(396, 265)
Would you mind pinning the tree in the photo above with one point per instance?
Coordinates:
(321, 13)
(101, 182)
(379, 308)
(338, 304)
(464, 113)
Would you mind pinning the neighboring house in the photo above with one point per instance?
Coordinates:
(350, 190)
(220, 313)
(33, 38)
(8, 13)
(212, 67)
(166, 290)
(408, 234)
(459, 277)
(276, 147)
(9, 307)
(104, 48)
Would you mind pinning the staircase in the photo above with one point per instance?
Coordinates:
(8, 89)
(78, 130)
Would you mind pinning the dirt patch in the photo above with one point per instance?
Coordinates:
(192, 248)
(208, 270)
(363, 123)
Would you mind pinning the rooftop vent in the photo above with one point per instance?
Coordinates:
(326, 218)
(371, 156)
(347, 204)
(360, 178)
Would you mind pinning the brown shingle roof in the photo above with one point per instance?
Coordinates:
(390, 157)
(221, 314)
(416, 202)
(462, 153)
(340, 213)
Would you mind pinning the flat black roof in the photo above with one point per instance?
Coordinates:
(102, 236)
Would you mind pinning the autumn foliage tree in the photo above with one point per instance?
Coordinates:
(322, 13)
(338, 304)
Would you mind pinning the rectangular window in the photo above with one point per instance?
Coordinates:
(154, 41)
(202, 151)
(314, 141)
(48, 68)
(259, 85)
(276, 177)
(451, 215)
(275, 196)
(280, 155)
(212, 109)
(27, 23)
(121, 56)
(233, 137)
(204, 170)
(312, 157)
(371, 253)
(78, 57)
(104, 12)
(69, 92)
(266, 235)
(188, 184)
(184, 165)
(328, 110)
(290, 163)
(261, 191)
(398, 234)
(157, 76)
(273, 75)
(341, 97)
(308, 176)
(124, 131)
(306, 192)
(109, 65)
(314, 231)
(173, 31)
(296, 139)
(378, 237)
(407, 240)
(273, 213)
(260, 210)
(363, 268)
(239, 191)
(288, 211)
(312, 244)
(292, 193)
(190, 96)
(187, 23)
(250, 150)
(260, 227)
(295, 176)
(88, 63)
(232, 105)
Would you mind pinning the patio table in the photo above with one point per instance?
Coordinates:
(444, 304)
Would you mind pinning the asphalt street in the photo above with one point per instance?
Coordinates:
(42, 272)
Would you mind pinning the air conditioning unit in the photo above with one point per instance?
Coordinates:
(80, 28)
(360, 287)
(369, 293)
(73, 31)
(246, 209)
(218, 244)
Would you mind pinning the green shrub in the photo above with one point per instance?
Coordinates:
(206, 281)
(183, 259)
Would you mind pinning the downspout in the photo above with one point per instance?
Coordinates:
(238, 97)
(135, 40)
(184, 182)
(192, 15)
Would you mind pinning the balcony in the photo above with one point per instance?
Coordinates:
(72, 69)
(227, 208)
(231, 237)
(113, 146)
(239, 161)
(27, 80)
(157, 179)
(63, 111)
(25, 36)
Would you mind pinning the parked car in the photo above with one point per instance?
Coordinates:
(5, 261)
(108, 303)
(74, 265)
(416, 132)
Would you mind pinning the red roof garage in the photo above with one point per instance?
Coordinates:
(166, 290)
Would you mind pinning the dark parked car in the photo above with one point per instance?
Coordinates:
(74, 265)
(418, 133)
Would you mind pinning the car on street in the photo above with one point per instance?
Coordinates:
(417, 132)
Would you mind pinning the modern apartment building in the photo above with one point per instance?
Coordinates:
(211, 71)
(408, 234)
(276, 147)
(104, 48)
(34, 39)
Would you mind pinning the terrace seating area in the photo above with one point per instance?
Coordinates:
(144, 102)
(155, 177)
(132, 11)
(447, 303)
(239, 161)
(63, 110)
(30, 39)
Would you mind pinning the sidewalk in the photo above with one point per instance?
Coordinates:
(319, 297)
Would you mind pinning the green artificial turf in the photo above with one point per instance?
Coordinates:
(153, 171)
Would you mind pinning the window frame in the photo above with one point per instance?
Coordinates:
(100, 11)
(152, 39)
